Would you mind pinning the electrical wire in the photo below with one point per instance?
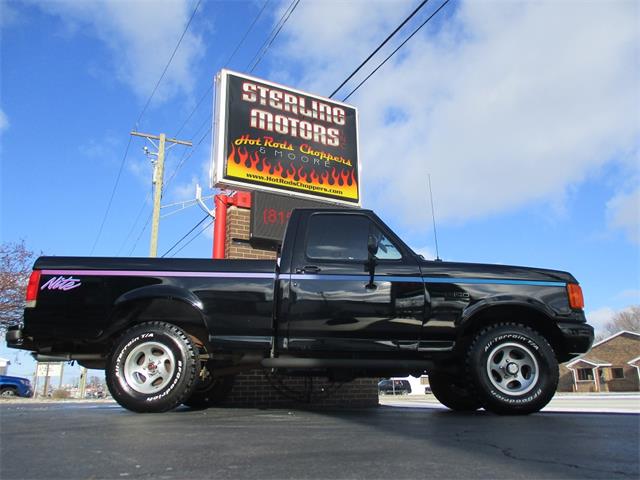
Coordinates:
(391, 35)
(113, 193)
(141, 232)
(272, 36)
(394, 52)
(189, 153)
(184, 159)
(206, 227)
(186, 28)
(144, 109)
(236, 49)
(133, 227)
(186, 235)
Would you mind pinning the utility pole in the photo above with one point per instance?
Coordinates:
(158, 181)
(83, 382)
(46, 382)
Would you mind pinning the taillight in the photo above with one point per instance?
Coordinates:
(576, 300)
(32, 288)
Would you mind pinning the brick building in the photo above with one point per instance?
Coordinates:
(612, 365)
(258, 388)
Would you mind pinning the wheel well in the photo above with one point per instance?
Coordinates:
(168, 310)
(530, 317)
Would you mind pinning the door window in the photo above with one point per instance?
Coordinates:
(337, 237)
(345, 237)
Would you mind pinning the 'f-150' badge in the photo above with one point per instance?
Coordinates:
(61, 283)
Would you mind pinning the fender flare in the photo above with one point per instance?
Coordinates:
(139, 296)
(500, 301)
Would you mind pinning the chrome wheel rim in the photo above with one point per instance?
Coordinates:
(512, 369)
(149, 367)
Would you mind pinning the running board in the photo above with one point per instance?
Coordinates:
(295, 362)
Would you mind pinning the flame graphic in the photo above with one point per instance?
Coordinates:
(340, 182)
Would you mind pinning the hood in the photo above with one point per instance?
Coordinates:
(489, 271)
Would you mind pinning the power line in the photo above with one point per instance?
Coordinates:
(113, 192)
(238, 45)
(394, 52)
(206, 227)
(379, 47)
(141, 232)
(272, 36)
(186, 235)
(144, 109)
(133, 227)
(184, 159)
(255, 20)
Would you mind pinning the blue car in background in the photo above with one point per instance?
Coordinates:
(15, 387)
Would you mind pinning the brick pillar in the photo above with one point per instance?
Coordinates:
(258, 388)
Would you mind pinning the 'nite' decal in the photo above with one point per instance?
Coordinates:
(61, 283)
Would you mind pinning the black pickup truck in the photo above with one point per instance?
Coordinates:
(345, 299)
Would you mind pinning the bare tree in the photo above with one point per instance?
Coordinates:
(15, 267)
(627, 319)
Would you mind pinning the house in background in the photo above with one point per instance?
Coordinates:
(612, 365)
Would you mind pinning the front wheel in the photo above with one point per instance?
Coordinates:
(152, 368)
(512, 369)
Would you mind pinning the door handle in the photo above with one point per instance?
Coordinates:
(308, 269)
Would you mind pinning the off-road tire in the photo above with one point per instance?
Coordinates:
(152, 368)
(453, 393)
(210, 390)
(512, 369)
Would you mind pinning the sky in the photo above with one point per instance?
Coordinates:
(525, 114)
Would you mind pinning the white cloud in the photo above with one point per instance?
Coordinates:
(4, 121)
(141, 37)
(426, 252)
(623, 212)
(507, 104)
(600, 317)
(8, 15)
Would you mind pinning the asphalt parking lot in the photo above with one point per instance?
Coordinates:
(102, 440)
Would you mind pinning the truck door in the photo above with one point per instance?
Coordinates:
(335, 304)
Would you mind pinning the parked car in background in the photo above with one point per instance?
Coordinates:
(15, 387)
(394, 387)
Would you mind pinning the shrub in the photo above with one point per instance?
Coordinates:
(60, 394)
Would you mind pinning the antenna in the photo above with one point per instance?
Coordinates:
(433, 217)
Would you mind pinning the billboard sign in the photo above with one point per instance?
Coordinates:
(274, 138)
(270, 214)
(49, 369)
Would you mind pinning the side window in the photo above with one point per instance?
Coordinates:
(337, 237)
(386, 249)
(345, 237)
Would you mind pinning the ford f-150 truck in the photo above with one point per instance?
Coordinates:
(345, 299)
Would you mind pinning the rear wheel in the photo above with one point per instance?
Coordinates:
(210, 390)
(513, 369)
(152, 368)
(453, 393)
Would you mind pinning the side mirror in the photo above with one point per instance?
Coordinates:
(372, 245)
